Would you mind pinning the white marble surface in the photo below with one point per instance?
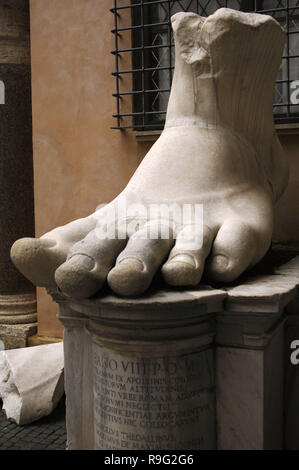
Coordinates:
(31, 381)
(249, 396)
(251, 365)
(218, 152)
(79, 388)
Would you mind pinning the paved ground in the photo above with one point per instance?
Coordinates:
(48, 433)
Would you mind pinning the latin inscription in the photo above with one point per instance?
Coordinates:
(154, 404)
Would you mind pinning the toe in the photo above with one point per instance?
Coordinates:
(129, 277)
(37, 259)
(75, 276)
(181, 270)
(185, 264)
(234, 250)
(87, 265)
(139, 261)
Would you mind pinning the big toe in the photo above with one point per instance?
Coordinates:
(37, 259)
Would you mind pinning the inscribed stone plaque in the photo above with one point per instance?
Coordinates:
(156, 403)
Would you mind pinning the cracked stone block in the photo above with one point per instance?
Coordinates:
(31, 381)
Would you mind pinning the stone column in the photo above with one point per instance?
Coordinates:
(139, 374)
(17, 295)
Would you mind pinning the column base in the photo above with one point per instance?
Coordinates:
(16, 336)
(18, 320)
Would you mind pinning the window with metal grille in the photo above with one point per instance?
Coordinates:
(144, 56)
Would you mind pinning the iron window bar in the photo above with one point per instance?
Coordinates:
(143, 88)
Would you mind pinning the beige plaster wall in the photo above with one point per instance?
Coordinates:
(79, 161)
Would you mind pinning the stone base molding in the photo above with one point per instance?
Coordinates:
(18, 319)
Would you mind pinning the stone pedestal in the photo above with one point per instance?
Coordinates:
(17, 295)
(185, 369)
(250, 366)
(292, 378)
(140, 374)
(291, 361)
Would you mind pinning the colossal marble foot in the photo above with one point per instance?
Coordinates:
(218, 152)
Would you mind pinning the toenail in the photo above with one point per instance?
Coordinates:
(132, 263)
(219, 263)
(80, 261)
(184, 258)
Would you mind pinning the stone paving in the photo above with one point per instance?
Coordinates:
(48, 433)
